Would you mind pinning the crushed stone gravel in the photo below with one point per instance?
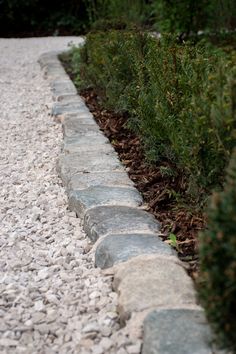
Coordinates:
(52, 299)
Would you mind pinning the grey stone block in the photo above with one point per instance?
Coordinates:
(65, 99)
(114, 249)
(62, 87)
(87, 143)
(55, 65)
(106, 220)
(97, 139)
(152, 281)
(83, 200)
(76, 107)
(72, 123)
(49, 58)
(84, 148)
(71, 164)
(177, 331)
(74, 128)
(83, 181)
(82, 114)
(54, 71)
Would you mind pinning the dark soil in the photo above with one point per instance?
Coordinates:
(162, 193)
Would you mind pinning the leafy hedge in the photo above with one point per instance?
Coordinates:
(191, 15)
(217, 283)
(181, 99)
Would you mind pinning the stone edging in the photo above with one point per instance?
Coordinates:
(152, 284)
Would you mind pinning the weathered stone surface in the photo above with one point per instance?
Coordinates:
(76, 107)
(74, 128)
(152, 281)
(83, 181)
(84, 143)
(72, 164)
(71, 121)
(176, 331)
(62, 87)
(83, 149)
(49, 58)
(65, 82)
(85, 139)
(114, 249)
(65, 99)
(54, 66)
(54, 70)
(82, 113)
(106, 220)
(82, 200)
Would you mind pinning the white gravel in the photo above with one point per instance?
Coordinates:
(52, 299)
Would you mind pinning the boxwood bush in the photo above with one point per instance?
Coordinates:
(180, 98)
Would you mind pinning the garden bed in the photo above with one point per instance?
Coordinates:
(180, 223)
(173, 136)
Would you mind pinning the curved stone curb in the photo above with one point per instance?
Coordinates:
(148, 276)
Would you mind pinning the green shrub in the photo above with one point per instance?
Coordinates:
(180, 98)
(124, 11)
(179, 15)
(217, 283)
(191, 16)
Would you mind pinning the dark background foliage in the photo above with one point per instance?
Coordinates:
(37, 17)
(58, 17)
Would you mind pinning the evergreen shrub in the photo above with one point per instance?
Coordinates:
(123, 11)
(190, 16)
(181, 99)
(217, 285)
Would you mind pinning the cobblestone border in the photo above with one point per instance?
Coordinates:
(152, 284)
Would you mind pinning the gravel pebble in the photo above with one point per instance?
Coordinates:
(52, 298)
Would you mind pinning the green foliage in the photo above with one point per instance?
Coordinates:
(221, 15)
(181, 98)
(78, 16)
(75, 16)
(172, 240)
(117, 11)
(179, 15)
(217, 283)
(193, 15)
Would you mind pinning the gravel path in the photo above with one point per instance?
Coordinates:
(52, 300)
